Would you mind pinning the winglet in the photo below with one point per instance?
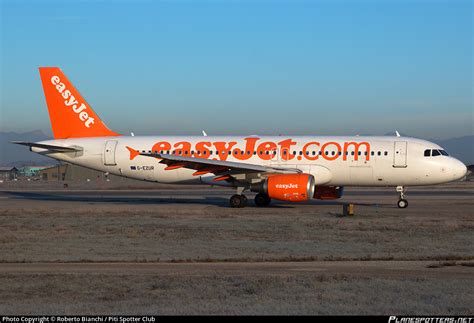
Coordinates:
(133, 153)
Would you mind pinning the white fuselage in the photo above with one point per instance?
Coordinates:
(332, 160)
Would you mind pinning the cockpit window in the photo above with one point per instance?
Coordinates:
(435, 152)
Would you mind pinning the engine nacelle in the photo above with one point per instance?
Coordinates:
(328, 192)
(287, 187)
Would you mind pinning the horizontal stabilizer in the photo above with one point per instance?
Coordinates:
(59, 149)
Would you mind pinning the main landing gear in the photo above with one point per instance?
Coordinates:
(240, 200)
(402, 202)
(262, 200)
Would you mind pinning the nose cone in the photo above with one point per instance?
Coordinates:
(458, 169)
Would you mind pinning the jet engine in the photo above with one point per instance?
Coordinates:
(328, 192)
(286, 187)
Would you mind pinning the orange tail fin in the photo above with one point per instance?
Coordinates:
(70, 115)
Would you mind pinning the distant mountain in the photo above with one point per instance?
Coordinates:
(16, 155)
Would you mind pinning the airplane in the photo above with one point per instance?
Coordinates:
(285, 168)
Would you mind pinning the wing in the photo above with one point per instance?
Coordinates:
(225, 170)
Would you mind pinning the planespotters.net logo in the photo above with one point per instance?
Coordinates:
(404, 319)
(287, 186)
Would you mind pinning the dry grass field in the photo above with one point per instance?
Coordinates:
(162, 226)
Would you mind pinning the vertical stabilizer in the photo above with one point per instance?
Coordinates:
(70, 115)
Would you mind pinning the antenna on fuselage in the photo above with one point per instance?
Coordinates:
(204, 133)
(396, 132)
(132, 134)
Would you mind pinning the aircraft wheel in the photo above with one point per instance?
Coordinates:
(262, 200)
(402, 203)
(238, 200)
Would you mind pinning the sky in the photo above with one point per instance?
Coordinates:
(246, 67)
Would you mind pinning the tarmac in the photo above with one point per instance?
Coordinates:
(84, 242)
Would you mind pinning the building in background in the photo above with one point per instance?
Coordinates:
(67, 172)
(53, 173)
(31, 171)
(8, 173)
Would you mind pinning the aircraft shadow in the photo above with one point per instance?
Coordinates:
(134, 200)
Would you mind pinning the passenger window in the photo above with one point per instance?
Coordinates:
(386, 153)
(371, 153)
(379, 153)
(436, 152)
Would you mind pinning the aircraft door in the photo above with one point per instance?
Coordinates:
(400, 154)
(109, 152)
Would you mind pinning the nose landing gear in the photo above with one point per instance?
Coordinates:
(402, 202)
